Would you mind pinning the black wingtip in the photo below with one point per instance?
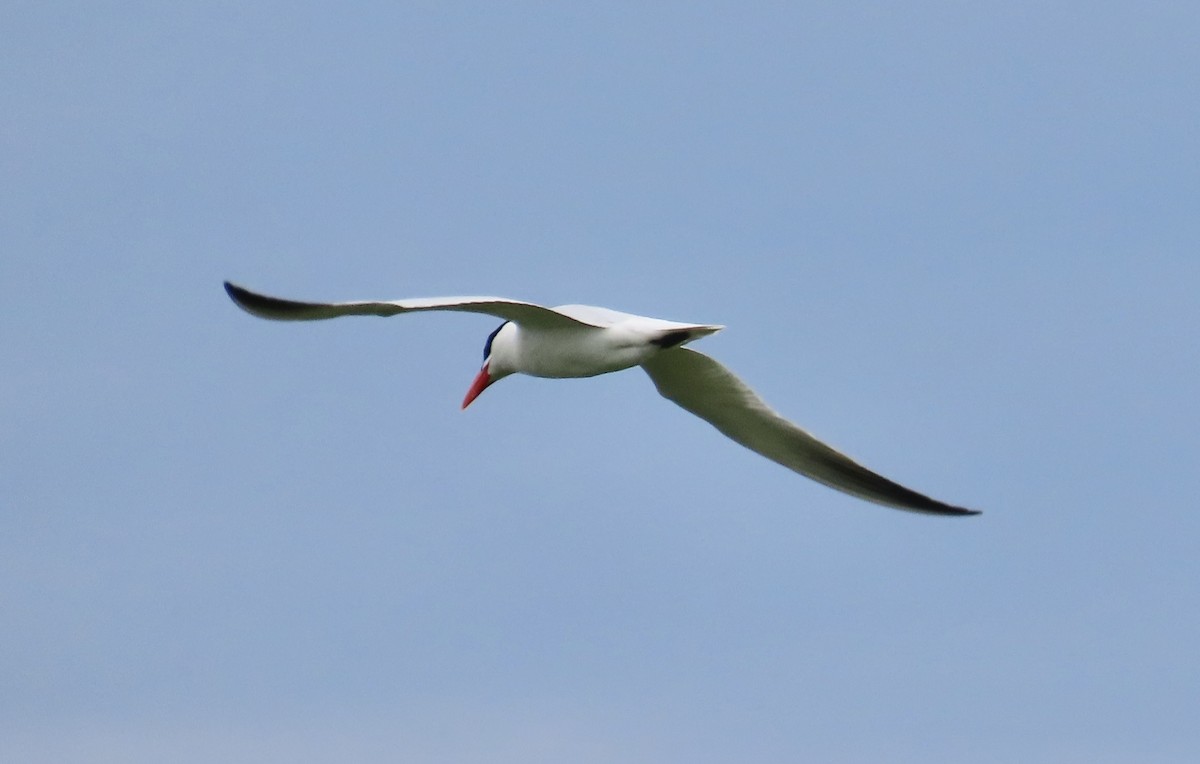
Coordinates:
(261, 305)
(243, 298)
(925, 504)
(938, 509)
(240, 295)
(952, 511)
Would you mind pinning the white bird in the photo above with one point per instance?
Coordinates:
(583, 341)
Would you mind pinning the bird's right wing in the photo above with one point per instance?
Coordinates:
(279, 309)
(710, 391)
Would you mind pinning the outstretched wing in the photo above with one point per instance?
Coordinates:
(713, 393)
(279, 309)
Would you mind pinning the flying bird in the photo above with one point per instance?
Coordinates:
(584, 341)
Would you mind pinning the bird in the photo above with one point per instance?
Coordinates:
(571, 341)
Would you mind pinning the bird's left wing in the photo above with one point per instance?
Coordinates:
(713, 393)
(280, 309)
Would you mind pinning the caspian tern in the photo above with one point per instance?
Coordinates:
(583, 341)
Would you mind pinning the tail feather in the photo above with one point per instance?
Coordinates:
(670, 338)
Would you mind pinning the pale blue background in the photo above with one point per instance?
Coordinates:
(959, 240)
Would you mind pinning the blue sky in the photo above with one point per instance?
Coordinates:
(958, 241)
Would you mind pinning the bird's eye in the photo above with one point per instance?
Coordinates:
(487, 346)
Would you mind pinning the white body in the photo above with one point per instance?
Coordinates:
(581, 351)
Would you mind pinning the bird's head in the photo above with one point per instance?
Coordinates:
(498, 360)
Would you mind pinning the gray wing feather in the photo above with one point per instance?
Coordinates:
(279, 309)
(707, 389)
